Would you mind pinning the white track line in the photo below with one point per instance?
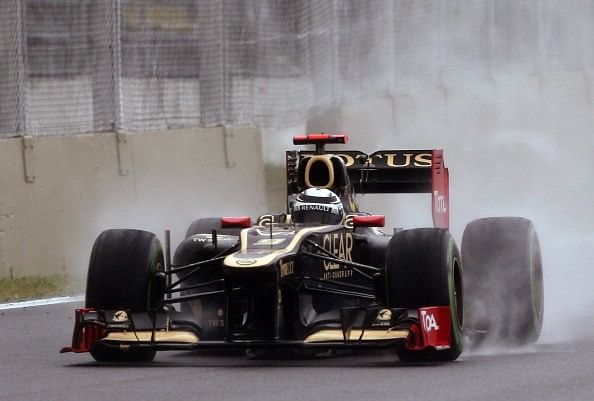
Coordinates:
(41, 302)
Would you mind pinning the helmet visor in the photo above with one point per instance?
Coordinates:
(307, 215)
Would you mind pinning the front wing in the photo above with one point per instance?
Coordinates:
(360, 327)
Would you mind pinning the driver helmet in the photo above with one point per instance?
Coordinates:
(317, 205)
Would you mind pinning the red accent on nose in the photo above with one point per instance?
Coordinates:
(235, 222)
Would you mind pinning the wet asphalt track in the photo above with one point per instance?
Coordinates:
(32, 369)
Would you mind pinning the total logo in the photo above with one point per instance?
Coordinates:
(428, 321)
(440, 203)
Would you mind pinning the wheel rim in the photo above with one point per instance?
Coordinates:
(537, 282)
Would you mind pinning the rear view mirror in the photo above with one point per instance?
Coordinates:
(373, 220)
(236, 222)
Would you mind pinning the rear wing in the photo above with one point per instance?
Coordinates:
(388, 171)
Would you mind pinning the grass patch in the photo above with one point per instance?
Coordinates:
(13, 289)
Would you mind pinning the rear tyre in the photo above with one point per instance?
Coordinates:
(207, 224)
(423, 269)
(503, 272)
(122, 276)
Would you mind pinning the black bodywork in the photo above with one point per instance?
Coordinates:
(309, 274)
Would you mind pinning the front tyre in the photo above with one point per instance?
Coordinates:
(423, 269)
(122, 276)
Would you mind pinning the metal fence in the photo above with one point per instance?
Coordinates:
(74, 66)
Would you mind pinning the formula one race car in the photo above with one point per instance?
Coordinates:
(320, 277)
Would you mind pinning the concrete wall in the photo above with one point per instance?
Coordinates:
(49, 225)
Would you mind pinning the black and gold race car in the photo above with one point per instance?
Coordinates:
(321, 276)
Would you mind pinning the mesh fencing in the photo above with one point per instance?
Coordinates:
(11, 68)
(74, 66)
